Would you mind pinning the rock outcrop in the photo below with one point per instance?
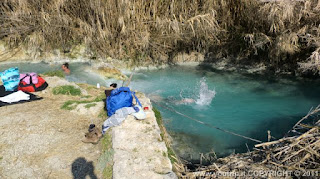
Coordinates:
(139, 149)
(110, 72)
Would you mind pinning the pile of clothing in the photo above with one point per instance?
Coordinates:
(119, 104)
(16, 87)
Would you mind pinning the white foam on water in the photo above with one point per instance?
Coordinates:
(205, 95)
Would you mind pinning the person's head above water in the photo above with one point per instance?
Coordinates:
(114, 85)
(65, 68)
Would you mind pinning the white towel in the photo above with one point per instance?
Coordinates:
(15, 97)
(140, 114)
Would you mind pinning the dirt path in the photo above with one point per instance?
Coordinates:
(40, 140)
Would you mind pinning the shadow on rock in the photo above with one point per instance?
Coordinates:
(82, 168)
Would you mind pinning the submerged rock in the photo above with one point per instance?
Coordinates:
(110, 72)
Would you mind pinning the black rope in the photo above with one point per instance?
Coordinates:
(206, 124)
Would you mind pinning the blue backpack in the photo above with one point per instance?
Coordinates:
(119, 98)
(10, 79)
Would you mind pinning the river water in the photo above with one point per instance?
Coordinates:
(249, 105)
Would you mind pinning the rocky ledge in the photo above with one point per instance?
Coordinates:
(140, 151)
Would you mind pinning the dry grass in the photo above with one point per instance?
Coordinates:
(156, 31)
(120, 29)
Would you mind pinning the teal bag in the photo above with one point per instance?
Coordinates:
(10, 78)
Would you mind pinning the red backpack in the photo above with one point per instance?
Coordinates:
(41, 85)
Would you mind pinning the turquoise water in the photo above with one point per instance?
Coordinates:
(246, 104)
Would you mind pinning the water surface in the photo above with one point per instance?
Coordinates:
(249, 105)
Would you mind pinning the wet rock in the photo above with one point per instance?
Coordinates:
(110, 72)
(257, 69)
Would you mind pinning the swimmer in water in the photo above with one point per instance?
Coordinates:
(185, 101)
(65, 68)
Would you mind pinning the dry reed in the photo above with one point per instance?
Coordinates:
(296, 155)
(275, 32)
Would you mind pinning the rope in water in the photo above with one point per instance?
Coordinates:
(206, 124)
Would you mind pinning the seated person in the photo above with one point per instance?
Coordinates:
(65, 68)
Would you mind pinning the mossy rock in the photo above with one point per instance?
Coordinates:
(111, 73)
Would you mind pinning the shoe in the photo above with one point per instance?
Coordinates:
(97, 132)
(92, 137)
(92, 128)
